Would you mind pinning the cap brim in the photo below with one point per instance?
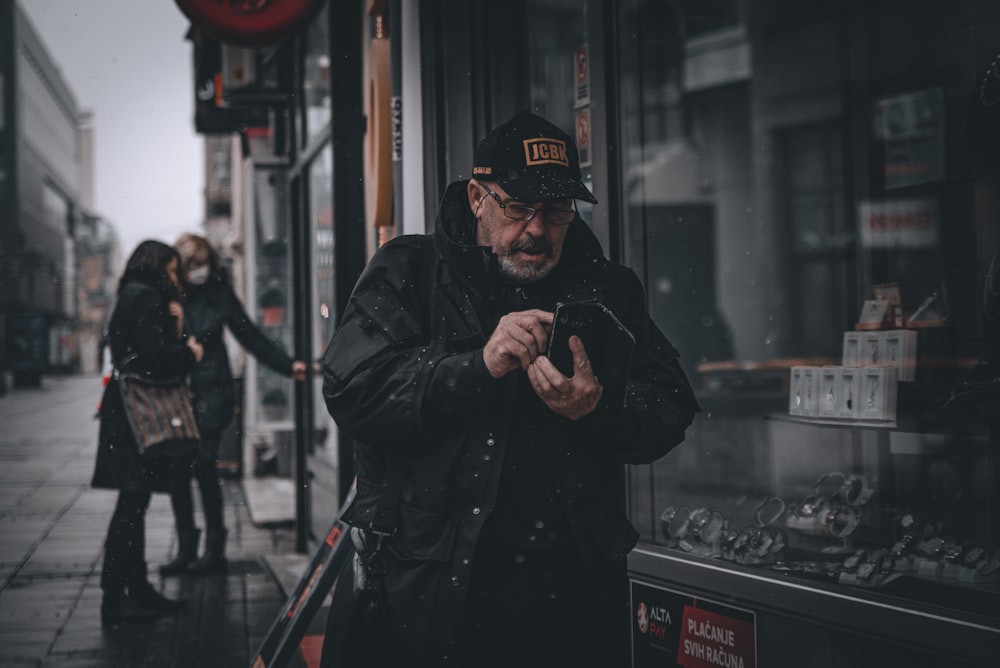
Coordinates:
(546, 188)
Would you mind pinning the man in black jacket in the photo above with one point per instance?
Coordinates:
(503, 478)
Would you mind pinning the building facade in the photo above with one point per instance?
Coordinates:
(810, 194)
(45, 177)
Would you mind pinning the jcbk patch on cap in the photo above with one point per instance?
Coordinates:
(533, 160)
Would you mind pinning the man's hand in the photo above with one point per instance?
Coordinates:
(299, 370)
(519, 338)
(573, 397)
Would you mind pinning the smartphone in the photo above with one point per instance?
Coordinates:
(609, 345)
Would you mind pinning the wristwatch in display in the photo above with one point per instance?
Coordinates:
(854, 560)
(952, 552)
(932, 548)
(853, 489)
(741, 540)
(981, 557)
(780, 540)
(674, 522)
(902, 546)
(841, 521)
(812, 506)
(873, 566)
(706, 524)
(974, 555)
(856, 490)
(759, 542)
(769, 511)
(830, 484)
(989, 566)
(726, 543)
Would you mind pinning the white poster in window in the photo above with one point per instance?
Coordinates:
(583, 135)
(581, 75)
(912, 129)
(899, 224)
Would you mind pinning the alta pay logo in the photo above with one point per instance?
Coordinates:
(642, 616)
(545, 151)
(654, 621)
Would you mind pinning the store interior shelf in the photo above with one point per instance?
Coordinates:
(833, 422)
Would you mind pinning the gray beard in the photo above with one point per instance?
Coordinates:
(522, 274)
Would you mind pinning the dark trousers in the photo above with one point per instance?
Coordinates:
(125, 546)
(537, 610)
(520, 613)
(202, 466)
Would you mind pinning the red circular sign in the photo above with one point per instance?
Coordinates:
(250, 22)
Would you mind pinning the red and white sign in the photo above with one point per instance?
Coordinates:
(583, 136)
(250, 22)
(899, 223)
(581, 78)
(672, 629)
(710, 640)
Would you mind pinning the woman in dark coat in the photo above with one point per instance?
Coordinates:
(145, 337)
(210, 306)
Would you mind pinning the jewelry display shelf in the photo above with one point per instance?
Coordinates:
(834, 422)
(914, 414)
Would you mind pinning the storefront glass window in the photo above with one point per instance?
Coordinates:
(321, 213)
(324, 301)
(316, 77)
(272, 293)
(559, 62)
(55, 209)
(806, 214)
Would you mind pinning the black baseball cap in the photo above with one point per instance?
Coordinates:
(532, 159)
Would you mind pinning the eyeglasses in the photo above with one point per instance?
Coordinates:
(523, 214)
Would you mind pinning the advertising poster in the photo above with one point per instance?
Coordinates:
(583, 136)
(670, 628)
(581, 76)
(911, 127)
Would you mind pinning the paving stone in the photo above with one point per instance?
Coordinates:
(52, 530)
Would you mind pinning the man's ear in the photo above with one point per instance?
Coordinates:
(476, 195)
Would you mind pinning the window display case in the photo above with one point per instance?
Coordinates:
(813, 223)
(864, 529)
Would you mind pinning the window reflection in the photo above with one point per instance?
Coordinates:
(321, 215)
(272, 290)
(557, 44)
(316, 76)
(776, 182)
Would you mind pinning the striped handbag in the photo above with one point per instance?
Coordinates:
(160, 415)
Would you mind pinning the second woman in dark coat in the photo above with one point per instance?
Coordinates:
(210, 307)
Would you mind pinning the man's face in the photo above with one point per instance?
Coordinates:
(528, 250)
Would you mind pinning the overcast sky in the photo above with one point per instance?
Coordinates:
(128, 62)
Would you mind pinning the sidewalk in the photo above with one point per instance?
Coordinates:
(52, 530)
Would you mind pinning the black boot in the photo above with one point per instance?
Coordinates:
(187, 552)
(116, 608)
(214, 559)
(146, 596)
